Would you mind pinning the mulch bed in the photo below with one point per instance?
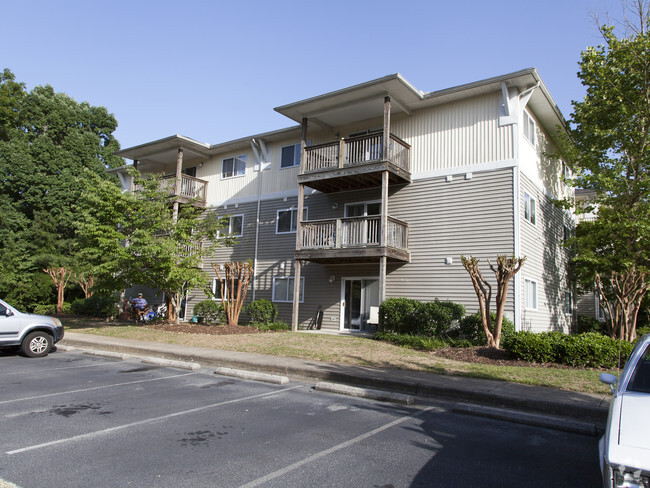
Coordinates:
(189, 328)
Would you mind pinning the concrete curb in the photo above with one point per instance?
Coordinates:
(516, 416)
(252, 375)
(365, 393)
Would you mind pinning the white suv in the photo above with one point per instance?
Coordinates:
(33, 334)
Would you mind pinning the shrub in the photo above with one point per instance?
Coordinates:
(397, 315)
(262, 311)
(50, 309)
(406, 316)
(641, 331)
(590, 349)
(589, 324)
(210, 311)
(104, 306)
(470, 328)
(277, 325)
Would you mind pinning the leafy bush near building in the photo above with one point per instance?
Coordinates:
(585, 350)
(470, 328)
(422, 343)
(50, 309)
(589, 324)
(103, 306)
(210, 311)
(276, 325)
(262, 311)
(412, 317)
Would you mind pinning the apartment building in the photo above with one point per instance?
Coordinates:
(379, 190)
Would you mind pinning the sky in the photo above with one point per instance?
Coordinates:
(213, 71)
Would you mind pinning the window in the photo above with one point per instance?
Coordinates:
(287, 220)
(529, 128)
(568, 303)
(189, 171)
(568, 231)
(235, 226)
(231, 167)
(600, 311)
(566, 171)
(530, 210)
(290, 156)
(530, 294)
(217, 285)
(283, 289)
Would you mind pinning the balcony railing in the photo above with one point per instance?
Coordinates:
(353, 232)
(355, 151)
(191, 188)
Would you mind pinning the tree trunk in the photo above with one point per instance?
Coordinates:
(60, 277)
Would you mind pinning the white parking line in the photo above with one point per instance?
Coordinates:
(98, 433)
(331, 450)
(93, 388)
(25, 372)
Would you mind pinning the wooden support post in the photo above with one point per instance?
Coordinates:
(296, 295)
(301, 205)
(382, 279)
(341, 153)
(179, 177)
(386, 141)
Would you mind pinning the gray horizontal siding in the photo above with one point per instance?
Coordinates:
(446, 220)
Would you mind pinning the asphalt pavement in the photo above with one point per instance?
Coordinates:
(533, 405)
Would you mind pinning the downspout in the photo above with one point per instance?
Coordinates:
(261, 157)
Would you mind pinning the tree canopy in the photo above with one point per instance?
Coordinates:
(609, 145)
(134, 238)
(47, 140)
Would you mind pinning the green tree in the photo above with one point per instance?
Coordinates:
(46, 141)
(609, 145)
(133, 238)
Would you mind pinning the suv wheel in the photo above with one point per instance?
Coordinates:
(37, 344)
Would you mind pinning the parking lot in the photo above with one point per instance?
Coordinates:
(73, 420)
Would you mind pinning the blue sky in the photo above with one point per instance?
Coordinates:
(214, 70)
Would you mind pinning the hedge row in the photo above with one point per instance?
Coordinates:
(589, 349)
(437, 319)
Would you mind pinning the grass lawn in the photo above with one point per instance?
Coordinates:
(361, 351)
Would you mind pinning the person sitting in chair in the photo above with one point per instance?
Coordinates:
(139, 305)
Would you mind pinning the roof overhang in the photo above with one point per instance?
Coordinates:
(155, 154)
(365, 101)
(355, 103)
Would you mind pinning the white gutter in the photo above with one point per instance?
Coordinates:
(261, 158)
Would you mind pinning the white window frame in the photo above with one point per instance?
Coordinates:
(530, 128)
(530, 208)
(528, 282)
(568, 303)
(215, 280)
(229, 230)
(237, 162)
(290, 285)
(600, 311)
(294, 211)
(296, 156)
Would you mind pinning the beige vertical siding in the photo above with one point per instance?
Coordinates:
(453, 135)
(546, 262)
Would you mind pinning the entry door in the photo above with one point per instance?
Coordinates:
(358, 295)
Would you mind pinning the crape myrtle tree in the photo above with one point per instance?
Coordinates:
(505, 269)
(47, 140)
(134, 238)
(608, 144)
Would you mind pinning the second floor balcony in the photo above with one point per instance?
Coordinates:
(355, 163)
(353, 239)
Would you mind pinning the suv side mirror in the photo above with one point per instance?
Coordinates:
(609, 379)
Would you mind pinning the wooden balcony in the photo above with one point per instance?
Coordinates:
(353, 239)
(192, 189)
(355, 163)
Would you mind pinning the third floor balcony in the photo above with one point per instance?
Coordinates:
(355, 163)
